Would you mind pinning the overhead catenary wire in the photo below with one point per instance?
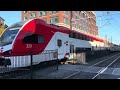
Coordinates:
(108, 14)
(102, 16)
(115, 28)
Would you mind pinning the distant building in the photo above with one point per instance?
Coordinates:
(81, 21)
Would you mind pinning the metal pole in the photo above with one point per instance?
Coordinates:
(31, 58)
(111, 41)
(105, 41)
(73, 54)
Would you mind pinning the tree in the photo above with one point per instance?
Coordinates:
(2, 28)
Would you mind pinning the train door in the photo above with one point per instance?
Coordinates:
(60, 47)
(71, 51)
(62, 44)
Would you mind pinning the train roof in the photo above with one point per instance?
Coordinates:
(67, 30)
(87, 35)
(60, 29)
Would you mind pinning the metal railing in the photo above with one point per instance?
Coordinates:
(84, 57)
(18, 65)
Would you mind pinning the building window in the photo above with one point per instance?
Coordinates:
(77, 26)
(87, 19)
(65, 20)
(72, 23)
(73, 15)
(77, 17)
(54, 20)
(42, 13)
(84, 29)
(66, 12)
(25, 11)
(87, 30)
(32, 15)
(94, 33)
(81, 27)
(45, 19)
(87, 24)
(77, 12)
(87, 12)
(81, 22)
(53, 12)
(25, 18)
(81, 15)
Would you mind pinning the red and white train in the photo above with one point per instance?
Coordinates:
(37, 36)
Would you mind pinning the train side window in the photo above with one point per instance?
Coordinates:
(34, 39)
(91, 39)
(87, 38)
(70, 35)
(80, 37)
(83, 37)
(71, 48)
(59, 42)
(74, 35)
(41, 39)
(29, 39)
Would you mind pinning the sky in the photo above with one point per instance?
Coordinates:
(11, 17)
(108, 25)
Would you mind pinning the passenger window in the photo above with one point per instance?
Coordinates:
(59, 42)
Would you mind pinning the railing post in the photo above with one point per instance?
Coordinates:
(31, 60)
(57, 58)
(31, 66)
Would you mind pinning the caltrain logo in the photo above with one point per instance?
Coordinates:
(66, 43)
(28, 45)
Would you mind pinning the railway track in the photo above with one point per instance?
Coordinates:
(104, 64)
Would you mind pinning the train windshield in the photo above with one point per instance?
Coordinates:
(10, 33)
